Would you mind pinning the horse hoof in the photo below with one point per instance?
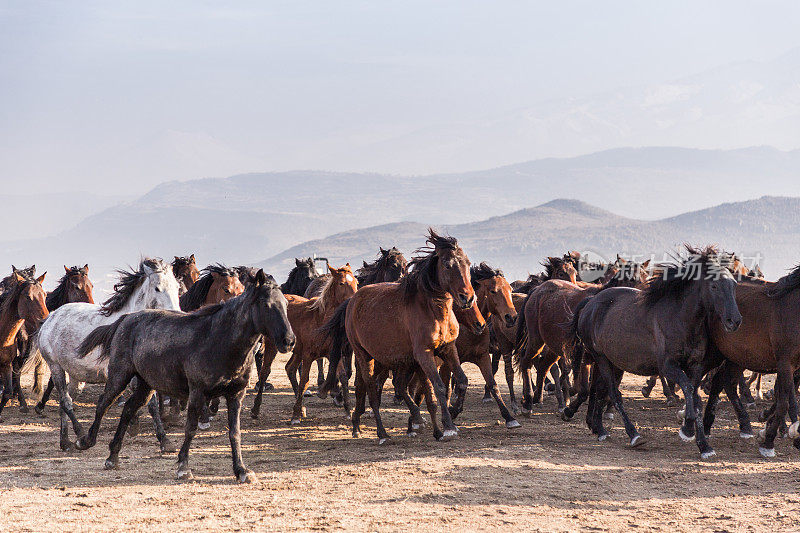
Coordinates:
(794, 430)
(684, 437)
(203, 425)
(415, 426)
(645, 392)
(385, 440)
(67, 446)
(527, 413)
(603, 437)
(39, 410)
(308, 393)
(681, 415)
(708, 455)
(167, 446)
(23, 409)
(608, 416)
(637, 440)
(766, 452)
(411, 434)
(565, 416)
(487, 399)
(762, 433)
(268, 386)
(295, 421)
(356, 434)
(248, 476)
(513, 424)
(746, 435)
(338, 402)
(184, 474)
(448, 435)
(81, 444)
(254, 415)
(110, 465)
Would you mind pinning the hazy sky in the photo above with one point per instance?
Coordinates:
(119, 96)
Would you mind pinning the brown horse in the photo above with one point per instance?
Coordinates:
(768, 341)
(73, 287)
(306, 317)
(217, 284)
(554, 268)
(185, 270)
(493, 299)
(661, 329)
(389, 266)
(22, 304)
(398, 326)
(503, 337)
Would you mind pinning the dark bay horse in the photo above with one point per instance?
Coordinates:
(73, 287)
(399, 326)
(300, 277)
(185, 270)
(389, 266)
(554, 268)
(503, 337)
(306, 317)
(217, 284)
(21, 305)
(195, 357)
(768, 341)
(661, 329)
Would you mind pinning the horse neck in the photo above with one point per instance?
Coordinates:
(691, 310)
(10, 324)
(135, 302)
(234, 324)
(483, 305)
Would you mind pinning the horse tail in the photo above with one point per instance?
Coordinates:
(100, 336)
(575, 344)
(34, 355)
(334, 329)
(521, 337)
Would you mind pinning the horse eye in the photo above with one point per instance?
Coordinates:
(158, 289)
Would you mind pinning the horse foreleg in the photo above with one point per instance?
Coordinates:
(425, 359)
(485, 366)
(299, 412)
(234, 403)
(45, 396)
(196, 402)
(140, 396)
(508, 368)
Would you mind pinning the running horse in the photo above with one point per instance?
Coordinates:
(661, 329)
(389, 266)
(21, 305)
(306, 316)
(403, 327)
(218, 283)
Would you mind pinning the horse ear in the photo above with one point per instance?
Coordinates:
(331, 269)
(646, 264)
(347, 265)
(191, 258)
(261, 277)
(13, 268)
(66, 269)
(382, 250)
(86, 268)
(296, 262)
(40, 279)
(18, 276)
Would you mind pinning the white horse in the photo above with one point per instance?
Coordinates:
(151, 286)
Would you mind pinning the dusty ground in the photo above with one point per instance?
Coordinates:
(548, 475)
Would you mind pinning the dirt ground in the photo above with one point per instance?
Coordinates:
(548, 475)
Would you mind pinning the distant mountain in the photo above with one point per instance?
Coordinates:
(768, 227)
(245, 218)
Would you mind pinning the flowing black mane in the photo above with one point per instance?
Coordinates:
(247, 275)
(482, 272)
(672, 279)
(60, 295)
(369, 273)
(423, 276)
(553, 264)
(196, 296)
(293, 282)
(786, 284)
(211, 309)
(128, 282)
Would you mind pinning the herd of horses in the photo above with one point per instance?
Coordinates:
(194, 336)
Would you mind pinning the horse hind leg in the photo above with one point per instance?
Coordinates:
(508, 368)
(299, 411)
(119, 377)
(269, 354)
(39, 408)
(140, 396)
(153, 406)
(648, 386)
(15, 376)
(194, 409)
(234, 403)
(485, 366)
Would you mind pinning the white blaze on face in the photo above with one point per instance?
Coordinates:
(349, 278)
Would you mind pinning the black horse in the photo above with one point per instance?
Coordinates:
(389, 266)
(300, 277)
(195, 357)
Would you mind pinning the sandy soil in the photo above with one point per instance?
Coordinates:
(548, 475)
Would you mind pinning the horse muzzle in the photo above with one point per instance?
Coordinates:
(510, 320)
(466, 303)
(732, 324)
(287, 344)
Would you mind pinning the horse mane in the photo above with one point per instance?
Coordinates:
(482, 272)
(195, 297)
(215, 308)
(11, 294)
(786, 284)
(367, 273)
(181, 261)
(322, 303)
(295, 271)
(129, 281)
(247, 275)
(672, 279)
(60, 295)
(422, 277)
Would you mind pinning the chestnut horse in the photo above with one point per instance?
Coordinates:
(217, 284)
(22, 304)
(306, 315)
(398, 326)
(661, 329)
(768, 341)
(493, 298)
(185, 270)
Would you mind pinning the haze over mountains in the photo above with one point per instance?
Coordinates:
(271, 217)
